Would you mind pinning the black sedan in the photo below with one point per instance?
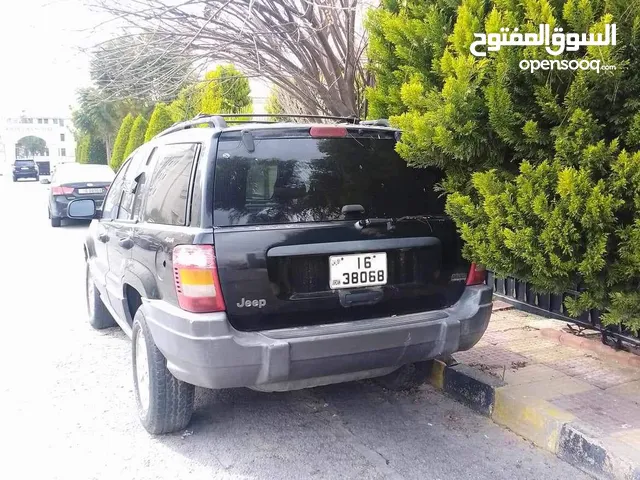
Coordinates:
(73, 180)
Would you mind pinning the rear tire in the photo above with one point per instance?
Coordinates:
(56, 222)
(99, 316)
(15, 179)
(165, 404)
(37, 178)
(407, 377)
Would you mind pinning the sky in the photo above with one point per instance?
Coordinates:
(41, 59)
(41, 65)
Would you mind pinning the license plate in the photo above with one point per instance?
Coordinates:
(24, 168)
(355, 271)
(89, 190)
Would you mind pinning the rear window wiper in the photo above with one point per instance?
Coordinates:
(390, 223)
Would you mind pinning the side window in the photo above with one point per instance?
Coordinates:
(112, 201)
(169, 186)
(132, 183)
(141, 182)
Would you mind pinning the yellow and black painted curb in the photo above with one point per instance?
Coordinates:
(537, 420)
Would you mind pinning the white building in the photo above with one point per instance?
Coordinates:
(259, 104)
(56, 131)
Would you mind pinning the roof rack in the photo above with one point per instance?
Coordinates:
(352, 119)
(218, 120)
(380, 122)
(213, 121)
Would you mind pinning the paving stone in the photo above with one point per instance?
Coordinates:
(499, 305)
(596, 372)
(511, 318)
(602, 411)
(489, 358)
(553, 355)
(629, 437)
(482, 343)
(515, 315)
(530, 374)
(549, 389)
(630, 391)
(540, 322)
(531, 343)
(501, 336)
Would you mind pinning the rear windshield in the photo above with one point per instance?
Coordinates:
(307, 179)
(84, 173)
(25, 163)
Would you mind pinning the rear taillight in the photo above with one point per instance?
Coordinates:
(196, 278)
(329, 131)
(62, 190)
(477, 275)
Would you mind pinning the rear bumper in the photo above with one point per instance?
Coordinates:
(25, 174)
(205, 350)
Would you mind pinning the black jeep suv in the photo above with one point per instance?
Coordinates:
(26, 168)
(276, 256)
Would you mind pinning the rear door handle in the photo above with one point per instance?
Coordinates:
(103, 237)
(126, 243)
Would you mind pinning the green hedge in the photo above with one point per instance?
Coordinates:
(543, 169)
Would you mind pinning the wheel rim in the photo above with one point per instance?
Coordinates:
(91, 298)
(142, 370)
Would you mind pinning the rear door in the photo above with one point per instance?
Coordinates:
(121, 229)
(289, 248)
(162, 213)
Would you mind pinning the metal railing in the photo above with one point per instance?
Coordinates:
(522, 296)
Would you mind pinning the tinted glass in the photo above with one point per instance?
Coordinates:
(307, 180)
(132, 183)
(168, 188)
(24, 163)
(140, 190)
(112, 201)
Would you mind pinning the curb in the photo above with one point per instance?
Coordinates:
(593, 345)
(536, 420)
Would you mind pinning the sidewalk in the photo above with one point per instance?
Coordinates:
(582, 404)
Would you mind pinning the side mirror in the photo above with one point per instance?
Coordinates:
(45, 181)
(82, 209)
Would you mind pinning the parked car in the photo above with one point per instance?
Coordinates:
(73, 181)
(25, 168)
(276, 257)
(44, 167)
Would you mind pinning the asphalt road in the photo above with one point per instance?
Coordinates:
(68, 408)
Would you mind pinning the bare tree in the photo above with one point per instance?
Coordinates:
(312, 49)
(140, 66)
(280, 102)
